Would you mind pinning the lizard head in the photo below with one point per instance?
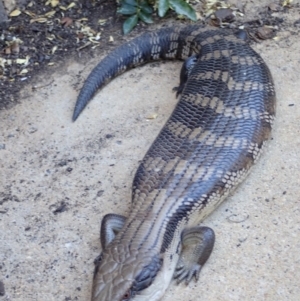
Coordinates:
(134, 277)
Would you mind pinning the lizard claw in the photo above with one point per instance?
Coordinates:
(187, 273)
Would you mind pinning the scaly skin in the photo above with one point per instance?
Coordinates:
(206, 148)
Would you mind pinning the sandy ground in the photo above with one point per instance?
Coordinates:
(86, 170)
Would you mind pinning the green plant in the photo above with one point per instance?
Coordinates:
(143, 10)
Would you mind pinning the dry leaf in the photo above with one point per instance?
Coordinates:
(80, 35)
(88, 31)
(7, 50)
(198, 15)
(54, 49)
(50, 14)
(102, 21)
(22, 61)
(180, 17)
(71, 5)
(51, 37)
(39, 20)
(287, 3)
(2, 62)
(82, 19)
(30, 14)
(98, 36)
(15, 13)
(93, 40)
(152, 116)
(66, 21)
(54, 3)
(15, 47)
(95, 46)
(84, 46)
(211, 6)
(23, 71)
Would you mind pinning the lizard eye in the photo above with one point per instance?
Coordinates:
(127, 295)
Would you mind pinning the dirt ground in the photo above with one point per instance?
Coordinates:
(59, 178)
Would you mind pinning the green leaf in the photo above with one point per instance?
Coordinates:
(130, 23)
(127, 9)
(145, 17)
(163, 6)
(146, 8)
(131, 2)
(183, 8)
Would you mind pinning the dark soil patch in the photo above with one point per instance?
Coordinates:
(43, 37)
(40, 44)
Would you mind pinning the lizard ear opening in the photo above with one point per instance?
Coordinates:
(148, 274)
